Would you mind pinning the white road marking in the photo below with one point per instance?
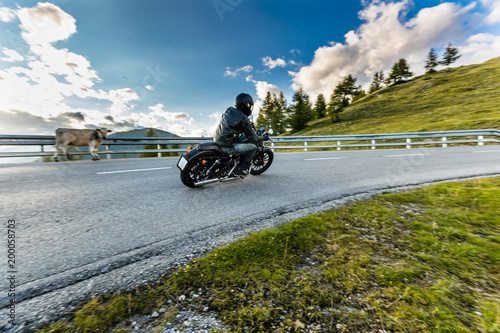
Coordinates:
(136, 170)
(324, 158)
(487, 151)
(404, 155)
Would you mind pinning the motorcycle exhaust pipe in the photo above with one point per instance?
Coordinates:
(204, 182)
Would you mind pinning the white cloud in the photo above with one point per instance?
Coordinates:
(270, 63)
(479, 48)
(12, 55)
(148, 87)
(385, 36)
(7, 14)
(179, 123)
(52, 77)
(46, 23)
(494, 7)
(246, 69)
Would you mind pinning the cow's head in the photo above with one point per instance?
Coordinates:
(104, 131)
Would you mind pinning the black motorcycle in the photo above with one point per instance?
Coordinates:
(207, 163)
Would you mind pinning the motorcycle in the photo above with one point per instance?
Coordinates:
(207, 163)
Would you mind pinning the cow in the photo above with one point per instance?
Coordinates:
(78, 138)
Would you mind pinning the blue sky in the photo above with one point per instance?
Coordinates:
(178, 64)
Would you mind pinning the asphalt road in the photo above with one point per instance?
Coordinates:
(78, 221)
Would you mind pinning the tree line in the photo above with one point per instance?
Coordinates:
(276, 114)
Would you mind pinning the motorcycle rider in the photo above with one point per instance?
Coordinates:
(235, 122)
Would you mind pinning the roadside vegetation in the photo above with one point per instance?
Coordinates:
(426, 260)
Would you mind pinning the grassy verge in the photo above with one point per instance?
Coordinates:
(427, 260)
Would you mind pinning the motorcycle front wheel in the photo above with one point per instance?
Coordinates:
(262, 161)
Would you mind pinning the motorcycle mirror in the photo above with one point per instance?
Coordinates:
(271, 131)
(262, 129)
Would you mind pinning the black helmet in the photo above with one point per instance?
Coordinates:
(244, 103)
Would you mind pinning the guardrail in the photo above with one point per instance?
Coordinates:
(321, 142)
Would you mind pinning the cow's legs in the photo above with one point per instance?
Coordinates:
(93, 151)
(59, 146)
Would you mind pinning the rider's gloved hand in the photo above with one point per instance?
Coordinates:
(265, 137)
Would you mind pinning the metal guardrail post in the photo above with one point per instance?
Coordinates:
(445, 144)
(480, 140)
(408, 140)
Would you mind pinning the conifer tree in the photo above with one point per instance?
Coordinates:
(432, 62)
(400, 71)
(150, 134)
(450, 55)
(265, 112)
(335, 107)
(378, 82)
(300, 110)
(320, 107)
(346, 88)
(278, 121)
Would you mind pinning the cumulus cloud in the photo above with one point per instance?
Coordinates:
(246, 69)
(46, 23)
(49, 78)
(385, 36)
(12, 55)
(494, 7)
(7, 14)
(270, 63)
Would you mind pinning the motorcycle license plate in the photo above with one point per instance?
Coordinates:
(182, 163)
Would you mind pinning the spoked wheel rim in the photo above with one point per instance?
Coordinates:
(260, 161)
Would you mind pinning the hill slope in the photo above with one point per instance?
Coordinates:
(452, 99)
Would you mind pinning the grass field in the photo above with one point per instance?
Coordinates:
(426, 260)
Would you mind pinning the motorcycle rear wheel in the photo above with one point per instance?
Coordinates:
(197, 168)
(262, 161)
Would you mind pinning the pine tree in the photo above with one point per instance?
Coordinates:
(400, 71)
(346, 88)
(265, 112)
(278, 120)
(378, 82)
(320, 107)
(450, 55)
(150, 134)
(360, 94)
(335, 107)
(300, 110)
(432, 62)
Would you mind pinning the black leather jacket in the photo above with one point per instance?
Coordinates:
(232, 124)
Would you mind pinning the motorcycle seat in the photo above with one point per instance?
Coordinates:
(210, 146)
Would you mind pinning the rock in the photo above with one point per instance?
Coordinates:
(155, 315)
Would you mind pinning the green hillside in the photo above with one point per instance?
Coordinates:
(460, 98)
